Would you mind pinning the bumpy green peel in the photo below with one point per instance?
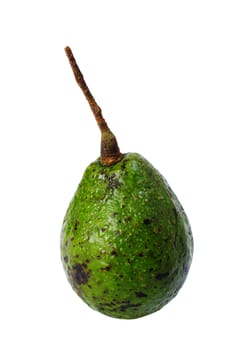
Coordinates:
(126, 243)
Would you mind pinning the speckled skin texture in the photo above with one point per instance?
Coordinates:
(126, 243)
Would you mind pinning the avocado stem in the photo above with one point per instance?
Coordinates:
(110, 152)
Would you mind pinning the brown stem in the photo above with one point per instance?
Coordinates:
(110, 153)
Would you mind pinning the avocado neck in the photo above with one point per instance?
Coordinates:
(110, 152)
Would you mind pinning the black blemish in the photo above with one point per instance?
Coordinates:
(161, 276)
(66, 259)
(123, 165)
(76, 223)
(140, 295)
(107, 268)
(79, 274)
(175, 213)
(113, 182)
(107, 304)
(114, 253)
(127, 304)
(185, 268)
(175, 273)
(146, 221)
(175, 240)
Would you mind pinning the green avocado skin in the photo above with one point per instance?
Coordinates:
(126, 243)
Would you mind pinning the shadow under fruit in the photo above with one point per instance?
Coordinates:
(126, 243)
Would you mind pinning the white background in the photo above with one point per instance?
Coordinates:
(162, 73)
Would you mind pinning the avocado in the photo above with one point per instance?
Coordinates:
(126, 242)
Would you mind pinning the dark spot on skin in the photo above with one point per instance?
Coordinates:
(123, 166)
(113, 182)
(146, 221)
(140, 295)
(79, 274)
(107, 304)
(76, 223)
(107, 268)
(127, 305)
(186, 269)
(66, 259)
(175, 240)
(114, 253)
(161, 276)
(175, 273)
(175, 212)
